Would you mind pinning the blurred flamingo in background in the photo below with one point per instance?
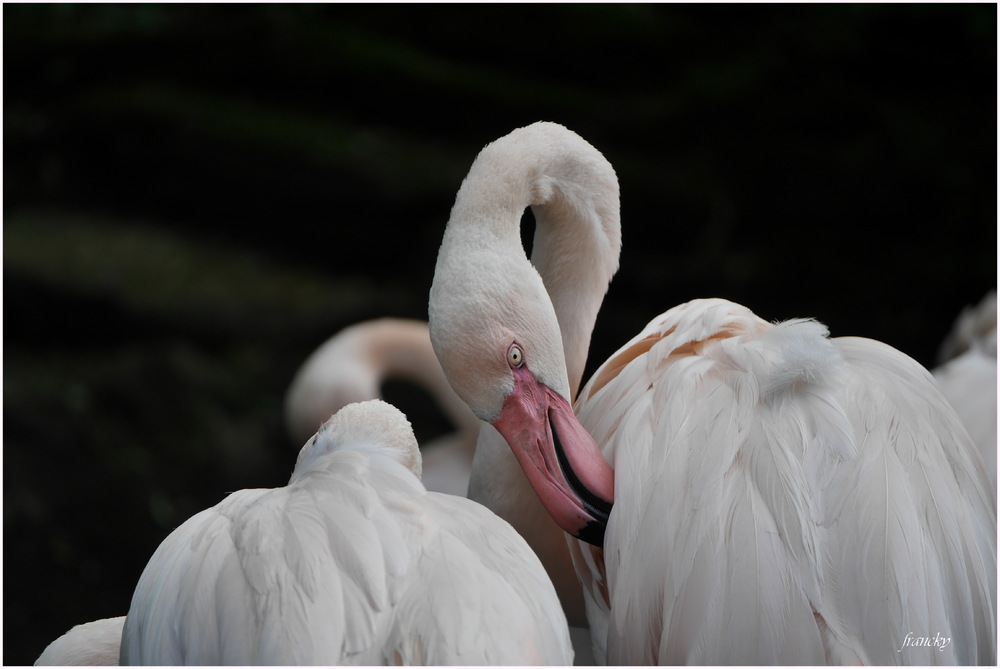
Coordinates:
(352, 365)
(967, 376)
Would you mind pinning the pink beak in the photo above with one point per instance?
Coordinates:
(562, 462)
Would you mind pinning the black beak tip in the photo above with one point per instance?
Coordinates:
(593, 533)
(599, 509)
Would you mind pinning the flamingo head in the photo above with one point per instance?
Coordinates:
(369, 425)
(498, 341)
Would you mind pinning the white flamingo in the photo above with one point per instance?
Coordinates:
(779, 496)
(353, 562)
(968, 376)
(90, 644)
(351, 367)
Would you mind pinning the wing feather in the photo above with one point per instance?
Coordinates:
(353, 562)
(783, 497)
(476, 574)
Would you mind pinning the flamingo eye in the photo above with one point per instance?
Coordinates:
(515, 356)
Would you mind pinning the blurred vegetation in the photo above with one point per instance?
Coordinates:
(195, 196)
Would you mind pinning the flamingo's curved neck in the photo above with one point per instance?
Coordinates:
(576, 259)
(573, 193)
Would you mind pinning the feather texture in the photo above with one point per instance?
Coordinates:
(353, 562)
(782, 497)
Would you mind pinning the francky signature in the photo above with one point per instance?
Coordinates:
(936, 641)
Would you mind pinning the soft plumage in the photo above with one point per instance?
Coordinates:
(353, 562)
(816, 490)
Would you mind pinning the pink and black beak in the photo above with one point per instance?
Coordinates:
(561, 460)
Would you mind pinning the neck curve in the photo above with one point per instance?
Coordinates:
(573, 192)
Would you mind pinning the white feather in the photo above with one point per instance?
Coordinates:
(783, 479)
(353, 562)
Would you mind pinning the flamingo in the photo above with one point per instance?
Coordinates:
(968, 376)
(351, 367)
(90, 644)
(353, 562)
(733, 491)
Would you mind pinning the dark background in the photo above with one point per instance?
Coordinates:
(197, 196)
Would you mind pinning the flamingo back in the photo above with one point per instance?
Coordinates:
(782, 497)
(353, 562)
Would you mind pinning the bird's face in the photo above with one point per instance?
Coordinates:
(559, 457)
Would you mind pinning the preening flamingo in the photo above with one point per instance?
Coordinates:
(968, 376)
(778, 496)
(351, 367)
(353, 562)
(90, 644)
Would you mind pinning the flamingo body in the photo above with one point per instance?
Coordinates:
(353, 562)
(806, 495)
